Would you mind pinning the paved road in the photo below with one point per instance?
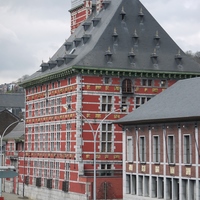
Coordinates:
(9, 196)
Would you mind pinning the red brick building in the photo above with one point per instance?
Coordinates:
(161, 146)
(109, 66)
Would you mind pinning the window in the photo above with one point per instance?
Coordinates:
(187, 149)
(171, 149)
(106, 170)
(106, 138)
(141, 100)
(124, 104)
(68, 143)
(68, 102)
(107, 80)
(67, 169)
(58, 83)
(53, 85)
(129, 149)
(68, 81)
(106, 103)
(128, 184)
(156, 149)
(142, 149)
(127, 86)
(147, 82)
(163, 83)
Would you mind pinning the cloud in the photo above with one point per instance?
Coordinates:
(30, 31)
(33, 30)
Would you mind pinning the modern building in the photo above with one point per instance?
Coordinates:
(116, 60)
(161, 145)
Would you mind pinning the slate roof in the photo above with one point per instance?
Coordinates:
(16, 133)
(7, 118)
(180, 102)
(12, 100)
(122, 36)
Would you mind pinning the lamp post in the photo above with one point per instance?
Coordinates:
(94, 140)
(1, 136)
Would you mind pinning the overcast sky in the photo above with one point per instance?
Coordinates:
(32, 30)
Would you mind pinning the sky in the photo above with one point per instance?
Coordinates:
(31, 31)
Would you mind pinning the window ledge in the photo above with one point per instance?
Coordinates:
(172, 164)
(188, 164)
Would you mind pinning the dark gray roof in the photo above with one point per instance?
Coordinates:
(12, 100)
(16, 133)
(178, 102)
(137, 42)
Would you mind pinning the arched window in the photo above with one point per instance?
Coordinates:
(127, 86)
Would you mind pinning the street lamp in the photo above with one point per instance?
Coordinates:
(1, 136)
(95, 139)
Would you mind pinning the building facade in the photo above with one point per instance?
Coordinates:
(161, 146)
(105, 70)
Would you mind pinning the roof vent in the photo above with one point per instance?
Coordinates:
(108, 55)
(77, 41)
(67, 45)
(115, 35)
(131, 54)
(95, 21)
(135, 37)
(178, 57)
(60, 61)
(141, 15)
(69, 57)
(123, 13)
(52, 63)
(105, 4)
(86, 37)
(86, 25)
(44, 66)
(154, 57)
(157, 38)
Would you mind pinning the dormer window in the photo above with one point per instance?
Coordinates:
(127, 86)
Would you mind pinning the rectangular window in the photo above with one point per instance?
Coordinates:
(68, 142)
(106, 170)
(142, 149)
(67, 169)
(141, 100)
(68, 102)
(171, 149)
(128, 184)
(187, 149)
(106, 103)
(107, 80)
(156, 149)
(124, 104)
(106, 137)
(129, 149)
(147, 82)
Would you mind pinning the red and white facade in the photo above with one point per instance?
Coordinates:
(61, 118)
